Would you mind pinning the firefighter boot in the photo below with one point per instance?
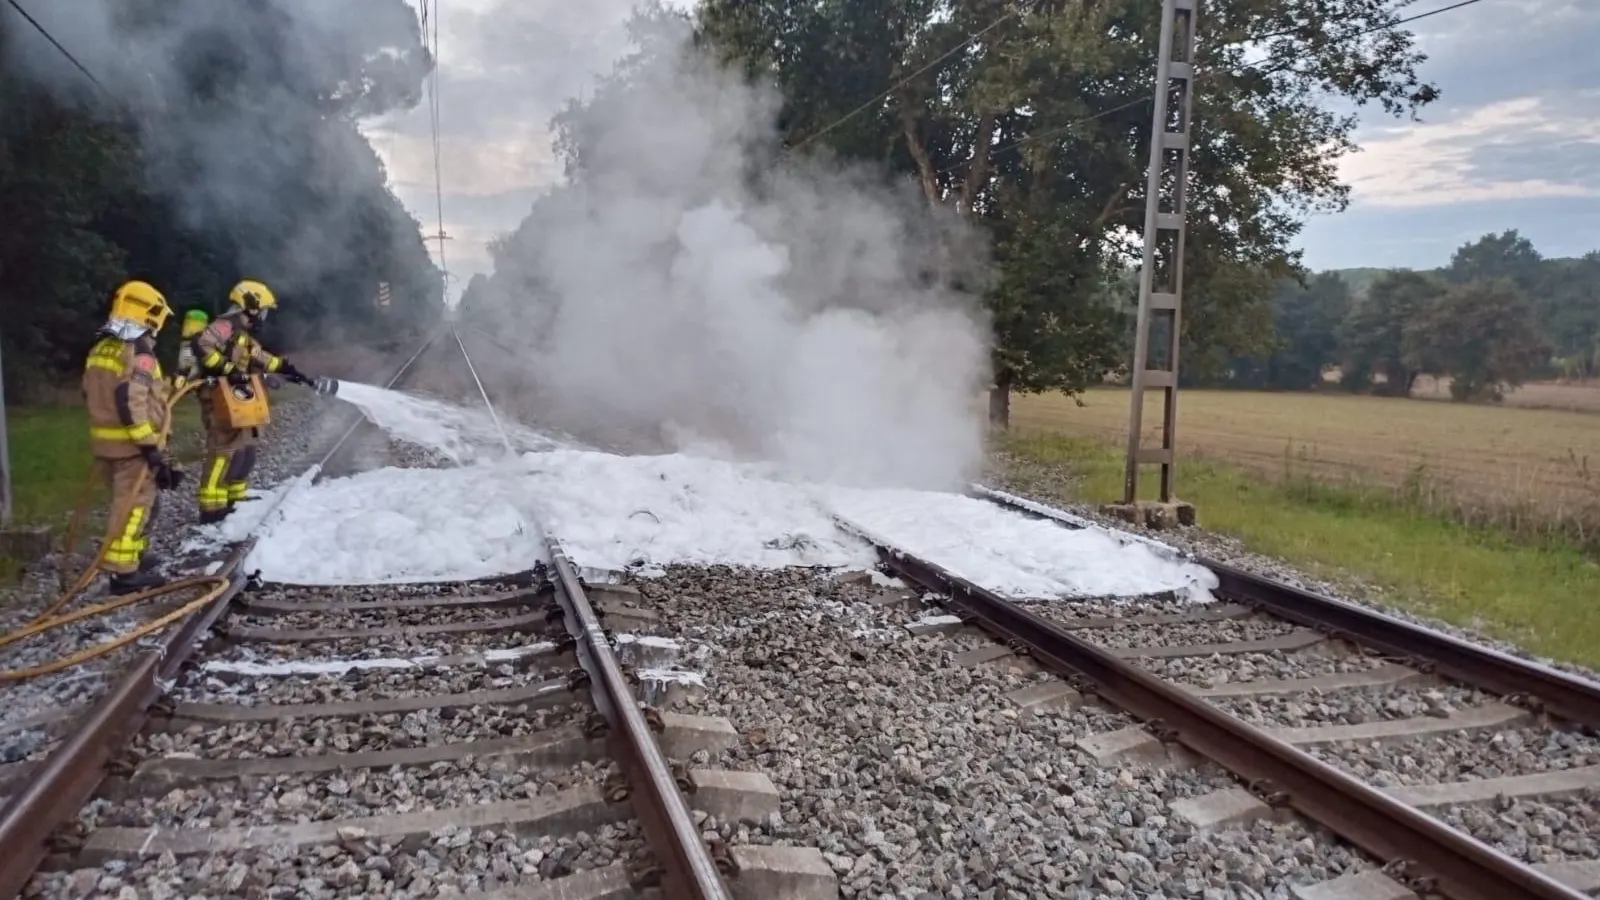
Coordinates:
(213, 516)
(133, 582)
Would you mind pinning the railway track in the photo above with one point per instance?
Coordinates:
(485, 739)
(1313, 703)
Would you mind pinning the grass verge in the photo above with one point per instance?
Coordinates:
(1541, 597)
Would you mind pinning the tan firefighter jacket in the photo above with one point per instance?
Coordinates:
(226, 347)
(125, 395)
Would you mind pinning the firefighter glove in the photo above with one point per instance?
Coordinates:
(238, 378)
(294, 375)
(166, 475)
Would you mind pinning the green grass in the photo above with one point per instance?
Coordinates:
(50, 463)
(1542, 597)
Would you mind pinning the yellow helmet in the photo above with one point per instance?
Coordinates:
(137, 301)
(253, 297)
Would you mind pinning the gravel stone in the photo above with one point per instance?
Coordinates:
(1534, 831)
(1236, 668)
(1353, 707)
(486, 617)
(452, 862)
(303, 736)
(323, 797)
(357, 684)
(386, 647)
(1188, 634)
(1464, 756)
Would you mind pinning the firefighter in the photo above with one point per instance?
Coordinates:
(194, 322)
(227, 349)
(127, 403)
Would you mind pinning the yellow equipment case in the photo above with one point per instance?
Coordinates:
(244, 405)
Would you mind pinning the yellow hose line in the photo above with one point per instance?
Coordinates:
(48, 620)
(66, 662)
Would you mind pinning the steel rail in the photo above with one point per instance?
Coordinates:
(482, 392)
(688, 872)
(69, 776)
(1458, 866)
(1560, 693)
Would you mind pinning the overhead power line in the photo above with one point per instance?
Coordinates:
(1279, 67)
(433, 125)
(57, 44)
(910, 78)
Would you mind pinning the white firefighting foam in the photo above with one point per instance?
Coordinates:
(460, 435)
(488, 516)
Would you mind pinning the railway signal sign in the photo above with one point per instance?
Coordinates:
(383, 294)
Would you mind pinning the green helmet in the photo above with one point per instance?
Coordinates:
(193, 321)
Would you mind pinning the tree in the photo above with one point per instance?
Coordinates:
(1372, 337)
(1040, 132)
(1569, 311)
(1507, 255)
(1481, 335)
(1306, 323)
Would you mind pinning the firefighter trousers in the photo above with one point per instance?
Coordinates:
(230, 456)
(133, 507)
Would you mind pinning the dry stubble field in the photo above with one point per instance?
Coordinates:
(1488, 461)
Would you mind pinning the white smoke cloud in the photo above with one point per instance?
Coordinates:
(693, 282)
(245, 167)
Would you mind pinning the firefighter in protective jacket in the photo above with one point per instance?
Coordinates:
(227, 351)
(126, 400)
(194, 322)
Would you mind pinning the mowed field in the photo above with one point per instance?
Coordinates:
(1492, 458)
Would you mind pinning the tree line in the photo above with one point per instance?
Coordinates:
(1498, 315)
(202, 148)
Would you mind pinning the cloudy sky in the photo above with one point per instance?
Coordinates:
(1514, 142)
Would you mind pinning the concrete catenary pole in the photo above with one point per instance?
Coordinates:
(1161, 275)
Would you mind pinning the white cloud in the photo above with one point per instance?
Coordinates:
(1446, 163)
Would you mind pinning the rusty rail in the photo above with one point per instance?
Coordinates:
(1560, 693)
(69, 777)
(1459, 866)
(688, 872)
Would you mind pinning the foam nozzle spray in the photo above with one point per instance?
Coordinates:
(325, 386)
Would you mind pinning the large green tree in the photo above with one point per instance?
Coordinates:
(1039, 130)
(1372, 336)
(1481, 335)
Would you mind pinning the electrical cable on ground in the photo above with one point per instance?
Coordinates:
(49, 620)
